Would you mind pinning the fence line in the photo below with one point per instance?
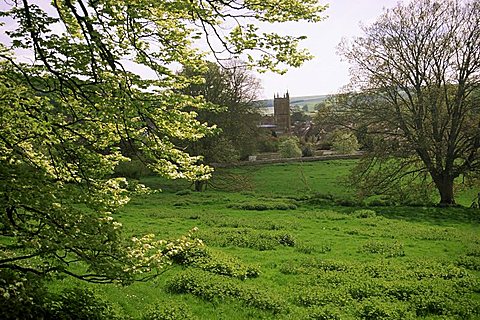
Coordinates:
(357, 155)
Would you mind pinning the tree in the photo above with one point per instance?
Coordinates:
(72, 91)
(233, 90)
(414, 76)
(289, 148)
(299, 116)
(344, 142)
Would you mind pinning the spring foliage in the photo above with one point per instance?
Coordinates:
(72, 98)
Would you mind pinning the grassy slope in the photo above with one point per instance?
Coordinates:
(391, 263)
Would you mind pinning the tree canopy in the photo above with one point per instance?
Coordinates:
(415, 84)
(233, 90)
(79, 78)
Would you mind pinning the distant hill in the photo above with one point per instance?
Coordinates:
(309, 101)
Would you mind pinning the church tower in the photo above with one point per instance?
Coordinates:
(281, 113)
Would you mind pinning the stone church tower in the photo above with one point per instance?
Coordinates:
(281, 113)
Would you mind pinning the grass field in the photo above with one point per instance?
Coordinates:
(279, 246)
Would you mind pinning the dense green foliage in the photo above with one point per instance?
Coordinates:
(233, 90)
(290, 148)
(344, 142)
(86, 85)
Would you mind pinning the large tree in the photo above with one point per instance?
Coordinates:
(417, 69)
(79, 78)
(233, 91)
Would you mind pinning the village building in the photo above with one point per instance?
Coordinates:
(280, 123)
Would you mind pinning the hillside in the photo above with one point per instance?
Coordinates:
(301, 101)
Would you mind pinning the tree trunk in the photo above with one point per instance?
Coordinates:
(444, 184)
(200, 185)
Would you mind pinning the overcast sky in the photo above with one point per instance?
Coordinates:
(326, 73)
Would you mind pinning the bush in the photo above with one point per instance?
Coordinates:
(248, 238)
(364, 213)
(214, 288)
(21, 297)
(134, 169)
(26, 297)
(348, 202)
(264, 205)
(324, 313)
(305, 249)
(308, 150)
(289, 148)
(388, 249)
(268, 143)
(344, 142)
(321, 199)
(169, 312)
(218, 263)
(81, 303)
(317, 296)
(380, 202)
(378, 309)
(469, 262)
(184, 192)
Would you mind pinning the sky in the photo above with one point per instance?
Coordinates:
(326, 73)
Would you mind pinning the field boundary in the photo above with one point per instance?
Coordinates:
(289, 160)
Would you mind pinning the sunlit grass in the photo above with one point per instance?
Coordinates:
(316, 260)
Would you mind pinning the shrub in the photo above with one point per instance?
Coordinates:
(388, 249)
(308, 150)
(26, 297)
(169, 312)
(364, 289)
(181, 204)
(344, 142)
(327, 312)
(286, 239)
(219, 263)
(326, 265)
(21, 297)
(307, 249)
(432, 303)
(348, 202)
(264, 205)
(183, 192)
(402, 290)
(381, 202)
(134, 169)
(364, 213)
(213, 288)
(411, 194)
(320, 199)
(289, 148)
(378, 309)
(319, 296)
(248, 238)
(268, 143)
(469, 262)
(81, 303)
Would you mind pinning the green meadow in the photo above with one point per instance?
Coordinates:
(288, 242)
